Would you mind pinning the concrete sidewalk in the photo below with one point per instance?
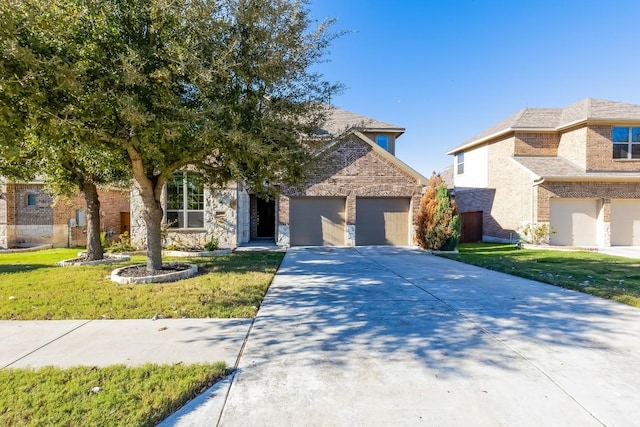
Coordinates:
(394, 336)
(67, 343)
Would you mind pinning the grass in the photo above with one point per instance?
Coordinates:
(33, 287)
(597, 274)
(111, 396)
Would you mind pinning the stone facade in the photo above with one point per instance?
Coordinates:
(350, 169)
(220, 222)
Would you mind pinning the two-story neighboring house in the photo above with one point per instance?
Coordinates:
(575, 168)
(358, 193)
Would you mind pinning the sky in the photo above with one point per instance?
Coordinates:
(446, 70)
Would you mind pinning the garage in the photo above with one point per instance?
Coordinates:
(625, 222)
(574, 222)
(317, 221)
(382, 221)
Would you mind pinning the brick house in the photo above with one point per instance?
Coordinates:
(576, 169)
(30, 216)
(359, 194)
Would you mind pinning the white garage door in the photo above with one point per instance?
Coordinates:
(625, 222)
(317, 221)
(574, 222)
(382, 221)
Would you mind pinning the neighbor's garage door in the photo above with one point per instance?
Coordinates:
(625, 222)
(316, 221)
(574, 222)
(382, 221)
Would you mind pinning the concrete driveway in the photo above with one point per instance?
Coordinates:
(380, 336)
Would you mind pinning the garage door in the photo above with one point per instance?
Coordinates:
(382, 221)
(316, 221)
(625, 222)
(574, 222)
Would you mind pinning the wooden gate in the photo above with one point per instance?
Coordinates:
(471, 227)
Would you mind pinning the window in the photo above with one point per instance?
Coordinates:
(31, 199)
(185, 201)
(626, 143)
(383, 141)
(460, 163)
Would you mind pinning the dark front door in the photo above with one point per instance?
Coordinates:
(266, 218)
(471, 227)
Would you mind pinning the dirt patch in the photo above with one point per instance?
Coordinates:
(141, 270)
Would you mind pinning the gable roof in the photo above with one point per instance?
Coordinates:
(341, 121)
(556, 119)
(553, 168)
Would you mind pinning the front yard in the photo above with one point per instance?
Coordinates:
(32, 287)
(597, 274)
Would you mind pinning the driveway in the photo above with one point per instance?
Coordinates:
(380, 336)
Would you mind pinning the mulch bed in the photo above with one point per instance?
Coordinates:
(141, 270)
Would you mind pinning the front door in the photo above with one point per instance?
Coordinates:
(266, 219)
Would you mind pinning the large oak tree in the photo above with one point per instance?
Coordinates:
(224, 87)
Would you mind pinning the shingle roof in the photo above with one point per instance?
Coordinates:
(554, 119)
(339, 121)
(557, 168)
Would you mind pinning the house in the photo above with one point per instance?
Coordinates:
(30, 216)
(359, 194)
(576, 169)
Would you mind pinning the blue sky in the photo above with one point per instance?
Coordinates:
(449, 69)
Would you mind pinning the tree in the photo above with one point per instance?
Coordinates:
(437, 224)
(223, 87)
(45, 103)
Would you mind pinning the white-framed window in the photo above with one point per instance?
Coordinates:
(32, 199)
(185, 201)
(383, 141)
(460, 163)
(626, 142)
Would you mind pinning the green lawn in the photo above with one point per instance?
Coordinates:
(111, 396)
(602, 275)
(33, 287)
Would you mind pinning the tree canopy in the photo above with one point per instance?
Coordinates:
(225, 87)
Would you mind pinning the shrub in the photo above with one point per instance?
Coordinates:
(212, 244)
(536, 233)
(438, 223)
(123, 244)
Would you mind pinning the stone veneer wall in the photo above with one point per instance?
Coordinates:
(220, 221)
(351, 168)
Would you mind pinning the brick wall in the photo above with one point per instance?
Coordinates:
(350, 169)
(583, 190)
(536, 144)
(512, 185)
(600, 152)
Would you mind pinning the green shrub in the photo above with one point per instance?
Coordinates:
(123, 244)
(438, 224)
(212, 244)
(536, 233)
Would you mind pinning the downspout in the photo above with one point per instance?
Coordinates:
(536, 182)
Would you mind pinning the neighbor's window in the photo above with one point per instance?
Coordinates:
(383, 141)
(626, 143)
(460, 163)
(31, 199)
(185, 201)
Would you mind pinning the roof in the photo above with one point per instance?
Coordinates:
(341, 121)
(558, 169)
(556, 119)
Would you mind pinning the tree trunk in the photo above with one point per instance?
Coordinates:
(152, 215)
(94, 245)
(151, 195)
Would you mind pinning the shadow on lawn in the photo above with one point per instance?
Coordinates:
(20, 268)
(394, 304)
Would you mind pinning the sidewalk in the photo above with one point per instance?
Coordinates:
(66, 343)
